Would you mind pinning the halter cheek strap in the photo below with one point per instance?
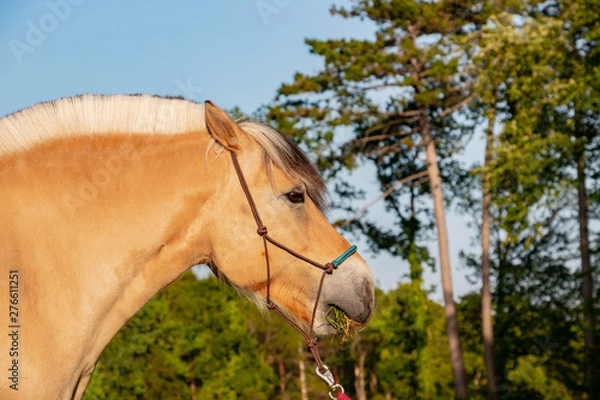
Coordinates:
(335, 390)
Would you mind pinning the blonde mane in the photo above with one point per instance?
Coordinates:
(97, 114)
(144, 114)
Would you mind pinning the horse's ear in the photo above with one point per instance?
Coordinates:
(221, 127)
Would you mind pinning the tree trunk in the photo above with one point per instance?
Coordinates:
(587, 281)
(486, 292)
(302, 371)
(435, 179)
(359, 376)
(193, 389)
(373, 382)
(282, 387)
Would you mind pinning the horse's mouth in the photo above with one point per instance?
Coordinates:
(339, 320)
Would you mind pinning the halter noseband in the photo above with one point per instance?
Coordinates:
(311, 341)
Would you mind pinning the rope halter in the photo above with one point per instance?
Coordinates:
(322, 371)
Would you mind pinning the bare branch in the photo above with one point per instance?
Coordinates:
(458, 105)
(384, 195)
(373, 87)
(392, 148)
(373, 138)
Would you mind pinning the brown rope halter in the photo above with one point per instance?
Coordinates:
(311, 341)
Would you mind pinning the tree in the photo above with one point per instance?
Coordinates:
(403, 349)
(399, 93)
(548, 87)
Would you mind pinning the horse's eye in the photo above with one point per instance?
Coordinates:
(295, 197)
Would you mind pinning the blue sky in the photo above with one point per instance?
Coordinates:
(233, 52)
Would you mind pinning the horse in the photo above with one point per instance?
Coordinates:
(106, 200)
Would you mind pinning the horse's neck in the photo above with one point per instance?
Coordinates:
(109, 222)
(155, 217)
(159, 214)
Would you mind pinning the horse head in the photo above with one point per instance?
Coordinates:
(278, 190)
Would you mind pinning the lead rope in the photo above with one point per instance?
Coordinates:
(336, 391)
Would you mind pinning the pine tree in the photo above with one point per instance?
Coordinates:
(399, 92)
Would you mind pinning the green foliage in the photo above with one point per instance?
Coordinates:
(200, 337)
(407, 346)
(531, 381)
(191, 339)
(527, 170)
